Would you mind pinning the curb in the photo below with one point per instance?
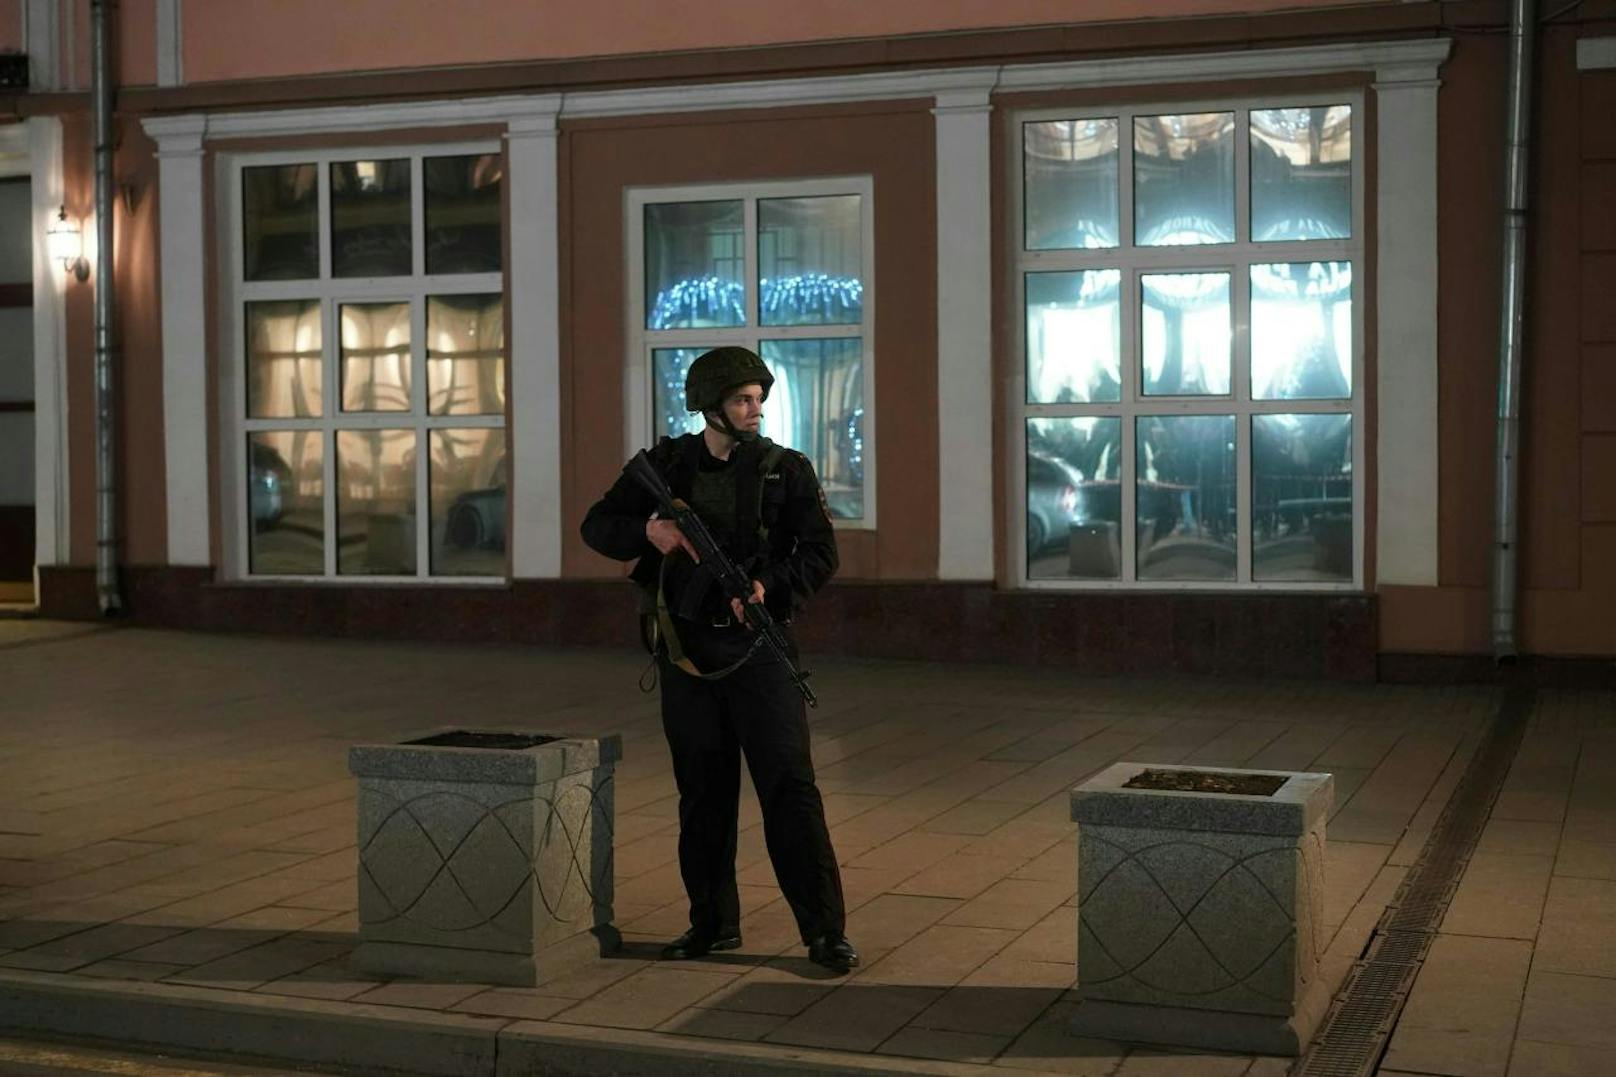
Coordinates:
(372, 1039)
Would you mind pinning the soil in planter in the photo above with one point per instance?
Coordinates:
(462, 738)
(1200, 781)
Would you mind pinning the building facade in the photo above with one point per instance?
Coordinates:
(1124, 336)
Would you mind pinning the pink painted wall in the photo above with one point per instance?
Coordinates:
(11, 26)
(137, 42)
(267, 38)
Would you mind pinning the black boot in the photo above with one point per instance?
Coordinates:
(833, 952)
(695, 943)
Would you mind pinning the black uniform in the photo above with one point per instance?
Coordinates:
(756, 709)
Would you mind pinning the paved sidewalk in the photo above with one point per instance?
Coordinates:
(177, 829)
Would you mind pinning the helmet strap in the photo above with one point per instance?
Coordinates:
(727, 428)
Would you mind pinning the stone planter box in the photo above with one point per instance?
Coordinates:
(479, 853)
(1200, 913)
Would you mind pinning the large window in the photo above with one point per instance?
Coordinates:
(1188, 406)
(364, 392)
(783, 269)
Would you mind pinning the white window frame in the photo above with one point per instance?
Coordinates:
(639, 399)
(1231, 257)
(235, 291)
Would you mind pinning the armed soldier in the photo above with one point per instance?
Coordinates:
(722, 694)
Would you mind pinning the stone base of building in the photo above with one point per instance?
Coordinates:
(1107, 633)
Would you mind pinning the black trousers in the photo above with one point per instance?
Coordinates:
(757, 712)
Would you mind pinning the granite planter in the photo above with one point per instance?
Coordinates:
(1200, 913)
(480, 853)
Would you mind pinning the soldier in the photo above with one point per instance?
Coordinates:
(722, 696)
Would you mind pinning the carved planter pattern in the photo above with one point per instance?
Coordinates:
(473, 862)
(1199, 914)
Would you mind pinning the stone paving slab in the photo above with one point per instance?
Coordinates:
(176, 832)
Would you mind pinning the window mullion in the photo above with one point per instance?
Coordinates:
(1128, 473)
(1243, 480)
(1125, 211)
(423, 501)
(754, 288)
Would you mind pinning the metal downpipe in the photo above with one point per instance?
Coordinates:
(106, 523)
(1511, 343)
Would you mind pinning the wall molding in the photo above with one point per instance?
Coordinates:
(1388, 61)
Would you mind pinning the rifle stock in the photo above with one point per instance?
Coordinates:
(728, 575)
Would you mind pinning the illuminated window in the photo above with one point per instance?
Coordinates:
(364, 398)
(781, 268)
(1188, 409)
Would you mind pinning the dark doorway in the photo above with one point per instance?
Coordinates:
(16, 391)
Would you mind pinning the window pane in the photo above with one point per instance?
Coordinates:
(286, 503)
(1301, 331)
(694, 265)
(376, 502)
(370, 219)
(1074, 498)
(1184, 497)
(817, 407)
(283, 359)
(1074, 325)
(375, 356)
(669, 366)
(469, 480)
(1301, 173)
(809, 253)
(465, 354)
(462, 213)
(1301, 497)
(1183, 179)
(1070, 170)
(280, 217)
(1184, 335)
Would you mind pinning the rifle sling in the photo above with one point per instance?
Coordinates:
(676, 651)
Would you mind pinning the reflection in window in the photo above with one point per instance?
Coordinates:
(1070, 169)
(1184, 335)
(669, 366)
(1301, 331)
(286, 503)
(283, 359)
(1073, 337)
(376, 502)
(465, 354)
(370, 219)
(817, 407)
(695, 261)
(1184, 497)
(1074, 498)
(809, 253)
(375, 356)
(1301, 173)
(1301, 497)
(462, 213)
(1183, 179)
(468, 481)
(280, 222)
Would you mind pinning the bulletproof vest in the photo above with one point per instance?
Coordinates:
(712, 495)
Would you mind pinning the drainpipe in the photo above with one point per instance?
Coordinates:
(1506, 497)
(106, 524)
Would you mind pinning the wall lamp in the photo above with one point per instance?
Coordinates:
(65, 244)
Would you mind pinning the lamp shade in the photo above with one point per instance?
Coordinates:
(63, 241)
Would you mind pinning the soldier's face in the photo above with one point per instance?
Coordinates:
(744, 406)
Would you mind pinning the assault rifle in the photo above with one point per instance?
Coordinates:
(731, 581)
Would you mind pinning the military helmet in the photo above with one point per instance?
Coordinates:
(716, 372)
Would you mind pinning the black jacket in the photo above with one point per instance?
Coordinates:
(801, 555)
